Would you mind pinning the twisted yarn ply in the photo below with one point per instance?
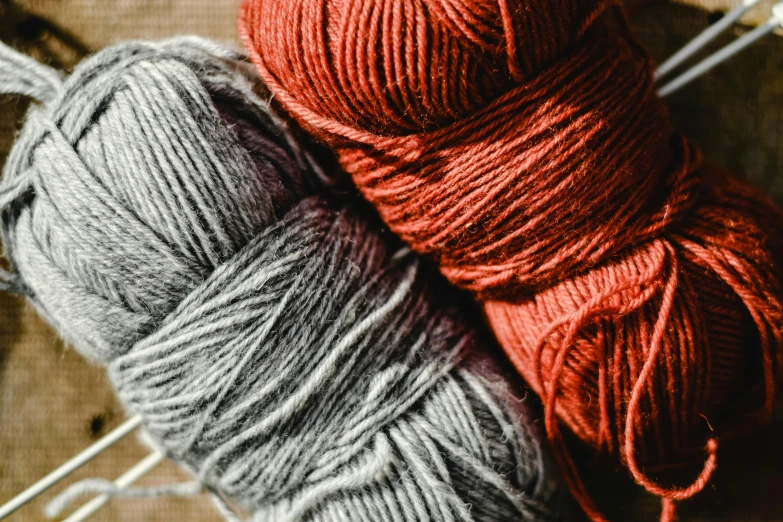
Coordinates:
(164, 220)
(521, 146)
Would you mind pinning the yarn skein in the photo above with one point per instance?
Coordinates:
(162, 217)
(521, 146)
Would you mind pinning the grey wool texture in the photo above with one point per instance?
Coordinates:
(164, 219)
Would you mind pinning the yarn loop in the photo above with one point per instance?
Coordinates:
(520, 144)
(166, 222)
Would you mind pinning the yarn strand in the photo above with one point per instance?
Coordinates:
(635, 287)
(293, 359)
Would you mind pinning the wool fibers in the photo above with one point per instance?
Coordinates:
(521, 146)
(162, 217)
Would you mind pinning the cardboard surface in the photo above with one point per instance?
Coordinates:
(53, 403)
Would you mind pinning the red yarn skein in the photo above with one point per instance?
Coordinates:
(520, 145)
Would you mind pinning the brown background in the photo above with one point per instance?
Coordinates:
(53, 404)
(757, 15)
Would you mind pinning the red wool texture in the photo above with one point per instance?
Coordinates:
(520, 145)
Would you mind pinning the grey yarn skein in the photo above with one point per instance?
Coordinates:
(160, 215)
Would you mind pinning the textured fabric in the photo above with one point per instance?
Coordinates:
(98, 23)
(730, 114)
(72, 400)
(758, 15)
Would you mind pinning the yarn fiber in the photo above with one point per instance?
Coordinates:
(166, 221)
(521, 146)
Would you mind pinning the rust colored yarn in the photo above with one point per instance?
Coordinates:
(521, 146)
